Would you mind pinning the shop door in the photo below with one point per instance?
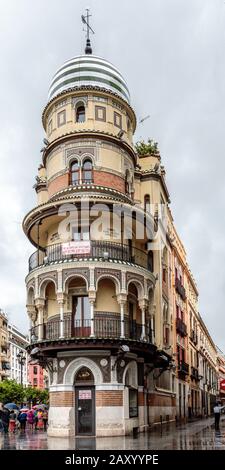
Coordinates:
(85, 411)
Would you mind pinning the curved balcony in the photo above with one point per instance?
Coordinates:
(99, 251)
(104, 328)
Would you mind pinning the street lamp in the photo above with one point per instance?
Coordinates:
(21, 360)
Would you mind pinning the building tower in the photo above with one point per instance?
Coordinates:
(91, 282)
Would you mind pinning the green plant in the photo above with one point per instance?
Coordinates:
(147, 148)
(12, 392)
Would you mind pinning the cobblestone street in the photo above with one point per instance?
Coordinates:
(199, 435)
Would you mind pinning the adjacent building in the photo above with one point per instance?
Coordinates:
(18, 355)
(4, 347)
(36, 376)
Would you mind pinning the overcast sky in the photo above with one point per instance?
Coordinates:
(172, 54)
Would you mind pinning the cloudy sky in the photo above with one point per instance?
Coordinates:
(172, 53)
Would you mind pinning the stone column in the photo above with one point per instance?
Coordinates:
(40, 303)
(32, 314)
(122, 298)
(92, 298)
(143, 305)
(61, 302)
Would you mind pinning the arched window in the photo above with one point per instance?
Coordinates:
(80, 113)
(87, 171)
(127, 186)
(74, 173)
(147, 203)
(150, 261)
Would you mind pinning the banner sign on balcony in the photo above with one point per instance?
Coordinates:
(84, 394)
(222, 385)
(82, 247)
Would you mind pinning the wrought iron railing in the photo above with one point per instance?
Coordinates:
(181, 327)
(180, 288)
(101, 250)
(183, 368)
(103, 328)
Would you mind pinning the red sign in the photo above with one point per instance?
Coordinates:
(76, 248)
(222, 384)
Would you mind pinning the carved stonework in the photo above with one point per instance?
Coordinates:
(30, 284)
(52, 276)
(83, 272)
(107, 272)
(135, 277)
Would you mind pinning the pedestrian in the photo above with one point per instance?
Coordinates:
(45, 419)
(36, 419)
(12, 421)
(217, 411)
(22, 418)
(4, 417)
(30, 419)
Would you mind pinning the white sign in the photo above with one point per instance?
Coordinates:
(84, 394)
(81, 247)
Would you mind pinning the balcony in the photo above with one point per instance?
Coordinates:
(194, 337)
(99, 250)
(181, 327)
(194, 374)
(183, 368)
(104, 328)
(180, 289)
(5, 346)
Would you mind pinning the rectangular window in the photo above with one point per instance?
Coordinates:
(35, 370)
(117, 120)
(61, 118)
(133, 403)
(35, 382)
(50, 127)
(100, 113)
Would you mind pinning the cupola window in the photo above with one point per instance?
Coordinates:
(74, 173)
(147, 203)
(80, 113)
(87, 171)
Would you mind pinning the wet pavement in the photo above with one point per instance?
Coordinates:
(199, 435)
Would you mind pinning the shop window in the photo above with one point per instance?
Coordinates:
(133, 403)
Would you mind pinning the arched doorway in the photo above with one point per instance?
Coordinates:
(84, 403)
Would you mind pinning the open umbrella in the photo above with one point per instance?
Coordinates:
(11, 406)
(24, 410)
(42, 406)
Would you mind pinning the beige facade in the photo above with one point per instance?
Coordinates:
(112, 304)
(4, 347)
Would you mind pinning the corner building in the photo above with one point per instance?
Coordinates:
(94, 301)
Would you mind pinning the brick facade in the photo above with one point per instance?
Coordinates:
(161, 400)
(109, 398)
(102, 178)
(62, 398)
(60, 182)
(108, 179)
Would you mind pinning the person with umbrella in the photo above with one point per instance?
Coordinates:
(22, 418)
(4, 417)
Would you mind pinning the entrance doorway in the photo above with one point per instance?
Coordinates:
(84, 403)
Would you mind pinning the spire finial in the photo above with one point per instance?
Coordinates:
(85, 20)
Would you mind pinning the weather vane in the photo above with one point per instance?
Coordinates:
(88, 29)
